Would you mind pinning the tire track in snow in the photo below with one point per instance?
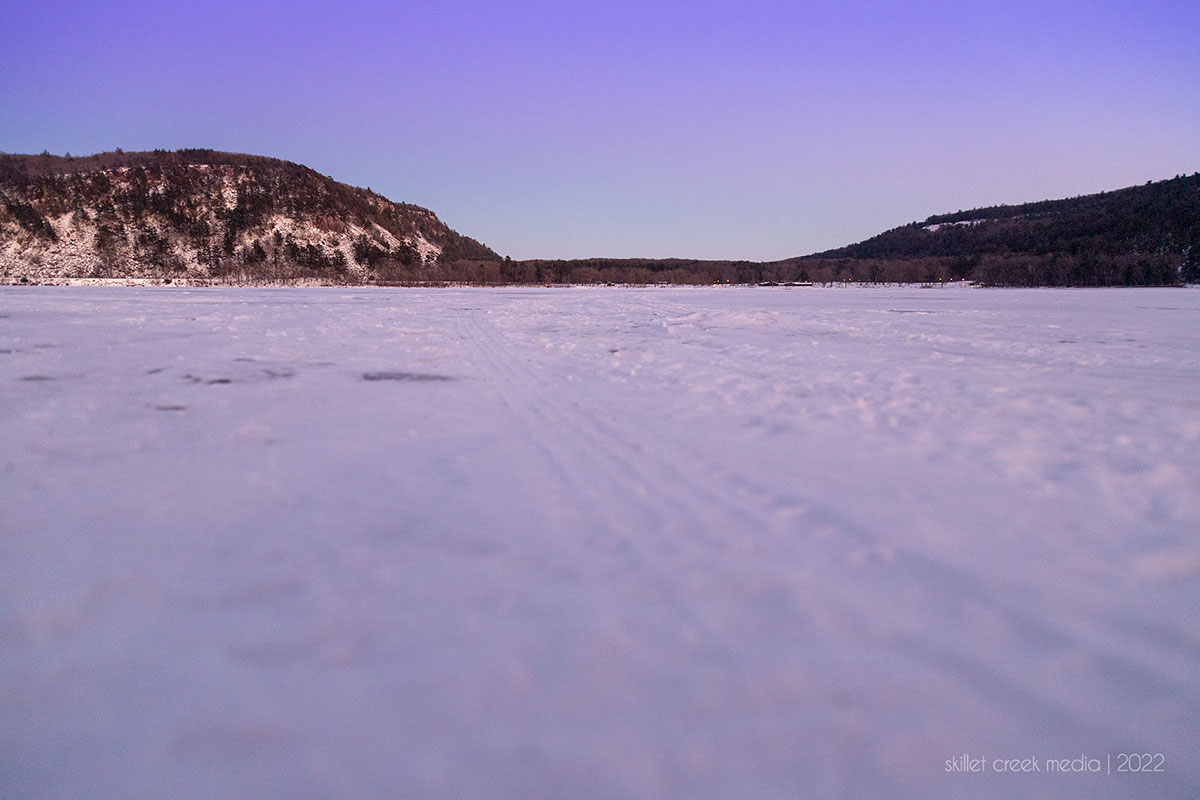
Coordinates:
(611, 488)
(638, 464)
(740, 574)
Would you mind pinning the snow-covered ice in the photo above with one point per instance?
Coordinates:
(598, 543)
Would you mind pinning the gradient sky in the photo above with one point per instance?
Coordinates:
(757, 130)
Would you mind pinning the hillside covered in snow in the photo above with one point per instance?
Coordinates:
(196, 216)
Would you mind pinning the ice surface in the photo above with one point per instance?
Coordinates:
(660, 543)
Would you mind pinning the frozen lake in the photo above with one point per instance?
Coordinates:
(599, 543)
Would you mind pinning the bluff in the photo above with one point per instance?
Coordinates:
(201, 216)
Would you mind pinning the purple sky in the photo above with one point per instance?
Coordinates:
(751, 129)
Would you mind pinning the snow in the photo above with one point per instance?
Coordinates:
(601, 543)
(229, 192)
(426, 250)
(970, 223)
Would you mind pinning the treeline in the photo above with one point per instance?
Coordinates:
(993, 270)
(1141, 236)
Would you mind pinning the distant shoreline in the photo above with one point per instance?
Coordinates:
(315, 284)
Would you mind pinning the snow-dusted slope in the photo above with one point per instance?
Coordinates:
(598, 543)
(196, 216)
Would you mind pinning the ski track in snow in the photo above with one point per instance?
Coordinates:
(676, 543)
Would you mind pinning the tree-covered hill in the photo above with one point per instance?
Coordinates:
(201, 215)
(1142, 235)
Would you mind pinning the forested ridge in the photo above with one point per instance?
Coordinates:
(200, 216)
(1142, 235)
